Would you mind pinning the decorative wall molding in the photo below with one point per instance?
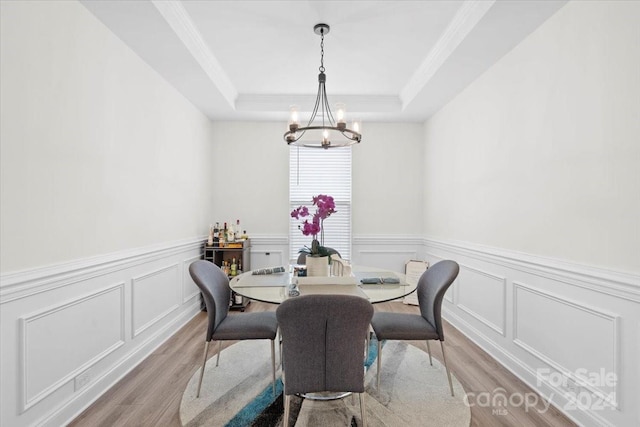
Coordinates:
(26, 283)
(500, 329)
(27, 399)
(117, 326)
(584, 315)
(136, 303)
(385, 240)
(66, 413)
(613, 319)
(274, 102)
(268, 258)
(620, 284)
(266, 240)
(410, 252)
(186, 278)
(467, 17)
(452, 294)
(180, 22)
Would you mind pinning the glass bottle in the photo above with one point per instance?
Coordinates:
(234, 268)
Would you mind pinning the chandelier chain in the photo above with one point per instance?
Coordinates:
(322, 51)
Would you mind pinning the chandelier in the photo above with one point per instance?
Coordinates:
(327, 132)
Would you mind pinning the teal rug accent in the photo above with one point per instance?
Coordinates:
(238, 393)
(258, 406)
(258, 409)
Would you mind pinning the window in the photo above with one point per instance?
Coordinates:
(315, 171)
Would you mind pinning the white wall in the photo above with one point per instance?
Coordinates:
(99, 153)
(541, 153)
(388, 173)
(251, 176)
(250, 166)
(105, 199)
(532, 184)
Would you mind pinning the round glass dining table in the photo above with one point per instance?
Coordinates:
(275, 288)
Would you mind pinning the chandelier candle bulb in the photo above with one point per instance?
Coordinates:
(340, 113)
(294, 121)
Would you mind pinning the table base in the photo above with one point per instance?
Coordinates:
(326, 395)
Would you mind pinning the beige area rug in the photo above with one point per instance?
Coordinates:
(238, 393)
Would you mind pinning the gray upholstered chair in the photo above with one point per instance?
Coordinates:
(323, 338)
(214, 285)
(302, 257)
(424, 326)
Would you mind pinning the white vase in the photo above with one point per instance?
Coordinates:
(317, 266)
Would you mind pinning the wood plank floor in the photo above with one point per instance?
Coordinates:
(150, 395)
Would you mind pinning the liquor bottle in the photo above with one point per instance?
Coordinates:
(223, 235)
(238, 230)
(245, 236)
(210, 239)
(239, 266)
(216, 232)
(234, 268)
(224, 267)
(231, 235)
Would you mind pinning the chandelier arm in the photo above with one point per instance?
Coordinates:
(326, 104)
(315, 107)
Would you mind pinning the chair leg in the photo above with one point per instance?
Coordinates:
(204, 362)
(273, 365)
(363, 410)
(279, 336)
(287, 404)
(366, 351)
(379, 358)
(219, 349)
(444, 358)
(429, 351)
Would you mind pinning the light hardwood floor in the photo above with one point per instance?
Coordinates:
(150, 395)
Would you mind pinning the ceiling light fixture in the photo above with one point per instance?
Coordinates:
(327, 126)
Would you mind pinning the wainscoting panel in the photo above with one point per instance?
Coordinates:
(264, 259)
(392, 260)
(450, 295)
(569, 331)
(269, 251)
(189, 288)
(386, 252)
(482, 295)
(60, 342)
(69, 332)
(153, 296)
(546, 338)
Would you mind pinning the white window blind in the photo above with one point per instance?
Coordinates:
(315, 171)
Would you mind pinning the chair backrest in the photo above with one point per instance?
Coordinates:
(432, 286)
(302, 258)
(323, 338)
(214, 285)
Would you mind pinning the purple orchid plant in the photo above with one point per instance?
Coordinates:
(325, 206)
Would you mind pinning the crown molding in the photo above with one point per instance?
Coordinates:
(464, 21)
(178, 19)
(356, 103)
